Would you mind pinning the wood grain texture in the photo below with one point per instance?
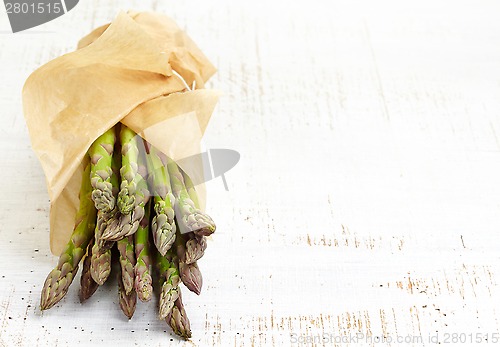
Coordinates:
(367, 196)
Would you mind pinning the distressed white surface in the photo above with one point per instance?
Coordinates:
(366, 199)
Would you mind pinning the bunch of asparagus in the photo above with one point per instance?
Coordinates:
(131, 193)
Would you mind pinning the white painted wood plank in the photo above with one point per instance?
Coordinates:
(366, 199)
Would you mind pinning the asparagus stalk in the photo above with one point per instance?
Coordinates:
(178, 320)
(127, 262)
(59, 279)
(169, 279)
(100, 260)
(195, 247)
(128, 172)
(100, 263)
(143, 279)
(190, 273)
(162, 225)
(194, 197)
(87, 284)
(127, 224)
(191, 276)
(101, 153)
(190, 189)
(103, 221)
(128, 301)
(189, 216)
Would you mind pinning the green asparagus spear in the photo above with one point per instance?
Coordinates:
(100, 260)
(162, 225)
(143, 280)
(101, 153)
(111, 219)
(87, 284)
(189, 216)
(191, 276)
(127, 262)
(58, 281)
(190, 273)
(100, 263)
(196, 244)
(169, 279)
(194, 197)
(127, 301)
(127, 224)
(190, 189)
(195, 247)
(128, 171)
(178, 320)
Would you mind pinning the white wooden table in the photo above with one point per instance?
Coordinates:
(366, 201)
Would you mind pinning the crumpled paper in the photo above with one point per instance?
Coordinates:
(121, 72)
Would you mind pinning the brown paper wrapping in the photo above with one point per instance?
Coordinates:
(122, 72)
